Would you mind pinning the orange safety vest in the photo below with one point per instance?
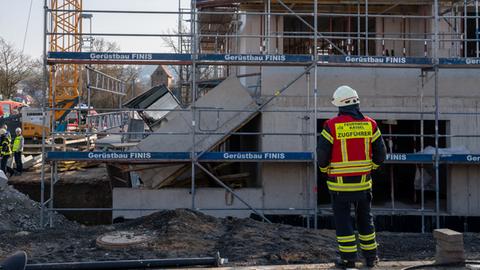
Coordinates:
(351, 141)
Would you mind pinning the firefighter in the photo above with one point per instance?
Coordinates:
(349, 148)
(17, 149)
(5, 150)
(7, 133)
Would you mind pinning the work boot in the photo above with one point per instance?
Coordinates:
(372, 262)
(344, 264)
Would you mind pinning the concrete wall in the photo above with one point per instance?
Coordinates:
(173, 198)
(464, 190)
(255, 25)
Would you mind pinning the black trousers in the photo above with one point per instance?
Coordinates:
(4, 163)
(18, 161)
(342, 203)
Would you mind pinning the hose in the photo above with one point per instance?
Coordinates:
(442, 265)
(18, 262)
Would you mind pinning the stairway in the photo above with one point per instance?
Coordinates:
(212, 115)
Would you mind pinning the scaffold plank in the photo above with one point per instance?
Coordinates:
(147, 157)
(255, 59)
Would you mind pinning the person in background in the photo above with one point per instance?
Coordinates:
(6, 150)
(5, 127)
(17, 150)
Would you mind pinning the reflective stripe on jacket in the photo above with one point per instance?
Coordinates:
(6, 149)
(351, 141)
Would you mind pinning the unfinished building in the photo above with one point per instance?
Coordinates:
(247, 145)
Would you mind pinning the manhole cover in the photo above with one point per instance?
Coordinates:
(122, 239)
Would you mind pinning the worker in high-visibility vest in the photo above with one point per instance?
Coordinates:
(349, 148)
(17, 149)
(5, 151)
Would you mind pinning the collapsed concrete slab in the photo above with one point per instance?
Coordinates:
(237, 108)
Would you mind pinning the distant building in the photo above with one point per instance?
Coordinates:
(162, 75)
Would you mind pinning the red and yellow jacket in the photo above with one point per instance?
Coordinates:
(349, 148)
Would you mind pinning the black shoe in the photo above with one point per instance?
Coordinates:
(344, 264)
(372, 262)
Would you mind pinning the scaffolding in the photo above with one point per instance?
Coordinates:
(210, 41)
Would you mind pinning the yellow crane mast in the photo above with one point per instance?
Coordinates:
(65, 79)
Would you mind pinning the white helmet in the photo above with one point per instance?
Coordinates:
(344, 96)
(18, 130)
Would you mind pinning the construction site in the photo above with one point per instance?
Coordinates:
(220, 154)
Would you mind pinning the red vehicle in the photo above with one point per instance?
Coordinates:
(9, 107)
(76, 120)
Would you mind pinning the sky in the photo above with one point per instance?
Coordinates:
(14, 14)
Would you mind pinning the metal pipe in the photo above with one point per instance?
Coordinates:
(44, 116)
(326, 209)
(168, 209)
(193, 30)
(233, 192)
(455, 28)
(465, 25)
(129, 264)
(249, 12)
(89, 92)
(315, 105)
(437, 115)
(477, 51)
(266, 134)
(254, 13)
(308, 184)
(274, 110)
(256, 36)
(366, 27)
(422, 145)
(392, 181)
(358, 27)
(52, 131)
(269, 30)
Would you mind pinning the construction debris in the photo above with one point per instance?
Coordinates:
(186, 233)
(19, 213)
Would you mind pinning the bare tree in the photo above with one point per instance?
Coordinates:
(184, 46)
(127, 73)
(14, 67)
(34, 84)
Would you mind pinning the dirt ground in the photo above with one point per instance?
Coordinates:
(185, 233)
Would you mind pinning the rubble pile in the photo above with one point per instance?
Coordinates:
(186, 233)
(18, 212)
